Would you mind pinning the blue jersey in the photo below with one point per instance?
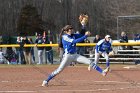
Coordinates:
(69, 42)
(104, 46)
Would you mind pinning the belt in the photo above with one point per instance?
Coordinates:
(71, 53)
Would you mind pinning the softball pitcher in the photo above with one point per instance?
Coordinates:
(69, 41)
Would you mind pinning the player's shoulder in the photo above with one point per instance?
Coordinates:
(66, 37)
(110, 41)
(101, 41)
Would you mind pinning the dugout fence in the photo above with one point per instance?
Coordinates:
(121, 56)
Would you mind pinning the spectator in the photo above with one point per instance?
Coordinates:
(39, 40)
(1, 57)
(26, 51)
(32, 50)
(19, 51)
(11, 56)
(48, 51)
(137, 37)
(96, 39)
(123, 39)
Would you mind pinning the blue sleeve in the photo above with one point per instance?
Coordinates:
(83, 30)
(97, 48)
(110, 49)
(79, 39)
(98, 45)
(78, 35)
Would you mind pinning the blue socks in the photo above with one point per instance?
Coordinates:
(94, 66)
(50, 77)
(107, 63)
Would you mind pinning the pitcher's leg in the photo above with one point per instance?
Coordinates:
(63, 64)
(103, 72)
(84, 60)
(81, 59)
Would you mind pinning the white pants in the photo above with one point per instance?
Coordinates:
(97, 56)
(40, 56)
(68, 58)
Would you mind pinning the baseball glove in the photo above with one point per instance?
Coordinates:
(83, 18)
(112, 53)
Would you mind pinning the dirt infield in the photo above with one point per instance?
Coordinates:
(74, 79)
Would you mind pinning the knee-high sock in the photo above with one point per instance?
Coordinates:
(94, 66)
(107, 63)
(50, 77)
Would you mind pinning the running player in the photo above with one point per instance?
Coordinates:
(69, 41)
(103, 47)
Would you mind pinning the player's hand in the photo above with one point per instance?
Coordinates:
(98, 54)
(88, 33)
(112, 53)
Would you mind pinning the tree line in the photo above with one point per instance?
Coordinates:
(30, 16)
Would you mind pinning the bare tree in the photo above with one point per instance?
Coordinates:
(57, 13)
